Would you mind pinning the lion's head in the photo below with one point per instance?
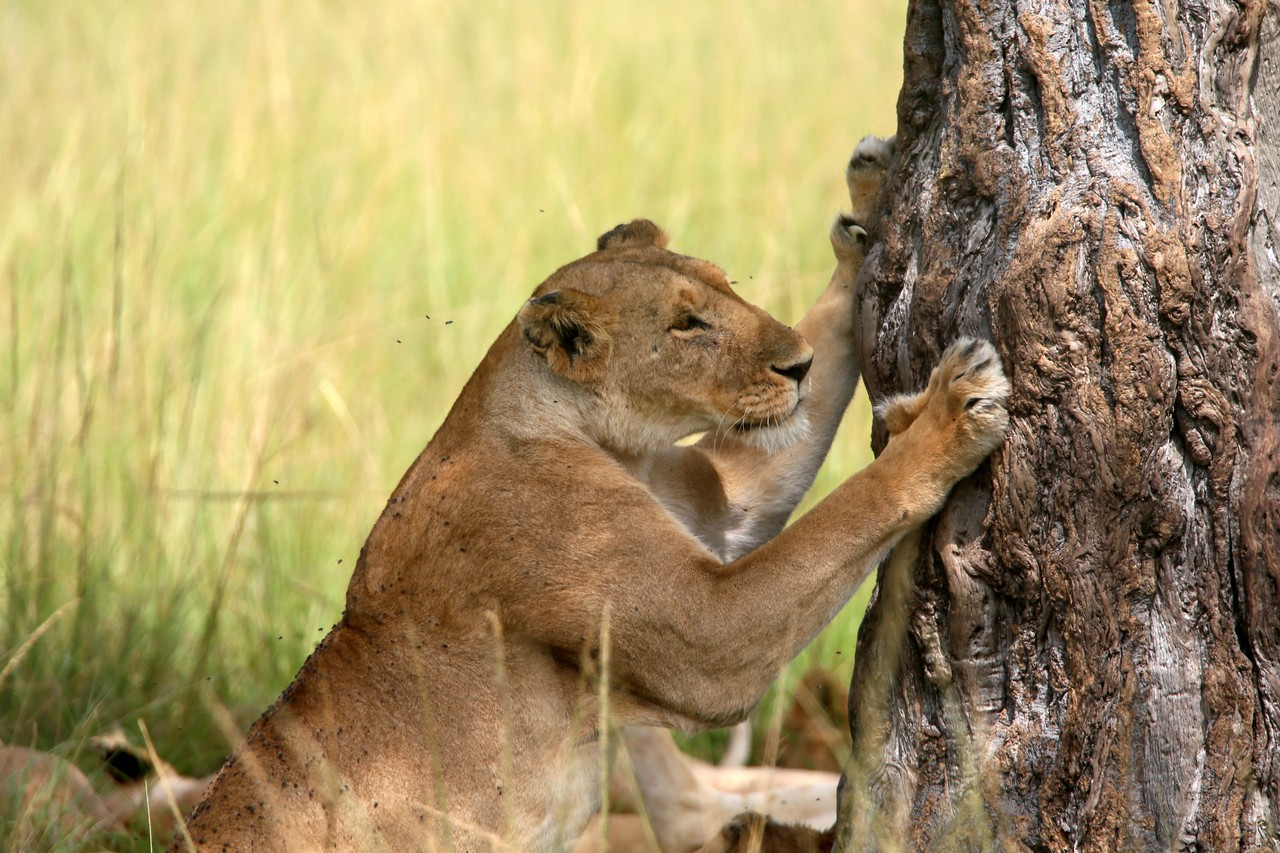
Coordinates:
(663, 347)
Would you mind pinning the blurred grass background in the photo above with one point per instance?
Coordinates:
(250, 252)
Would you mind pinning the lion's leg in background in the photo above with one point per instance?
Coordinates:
(685, 802)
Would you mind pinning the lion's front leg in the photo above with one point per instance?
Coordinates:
(771, 482)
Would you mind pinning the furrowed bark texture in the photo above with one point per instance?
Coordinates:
(1091, 656)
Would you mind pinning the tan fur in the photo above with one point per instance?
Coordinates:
(622, 833)
(553, 551)
(688, 801)
(685, 802)
(46, 797)
(43, 795)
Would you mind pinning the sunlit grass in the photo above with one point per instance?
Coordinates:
(250, 252)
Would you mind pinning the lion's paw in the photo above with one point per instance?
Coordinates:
(864, 174)
(848, 238)
(970, 374)
(901, 411)
(968, 392)
(872, 152)
(971, 392)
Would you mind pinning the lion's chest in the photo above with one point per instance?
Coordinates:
(572, 796)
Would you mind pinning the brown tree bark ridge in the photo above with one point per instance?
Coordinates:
(1092, 654)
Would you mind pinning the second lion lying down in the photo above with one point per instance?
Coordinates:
(554, 550)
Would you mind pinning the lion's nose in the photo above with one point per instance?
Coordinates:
(796, 370)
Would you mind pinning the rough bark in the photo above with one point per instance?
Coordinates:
(1091, 656)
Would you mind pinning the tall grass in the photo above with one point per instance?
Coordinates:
(250, 252)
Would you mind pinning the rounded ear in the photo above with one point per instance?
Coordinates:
(570, 329)
(637, 233)
(123, 761)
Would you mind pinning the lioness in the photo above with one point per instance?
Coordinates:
(44, 797)
(554, 557)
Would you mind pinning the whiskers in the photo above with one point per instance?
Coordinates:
(771, 435)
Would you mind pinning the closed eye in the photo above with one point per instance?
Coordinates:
(689, 323)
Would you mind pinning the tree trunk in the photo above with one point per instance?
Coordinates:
(1090, 658)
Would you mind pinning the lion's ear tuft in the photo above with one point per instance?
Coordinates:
(638, 233)
(570, 329)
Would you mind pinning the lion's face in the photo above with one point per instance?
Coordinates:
(666, 345)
